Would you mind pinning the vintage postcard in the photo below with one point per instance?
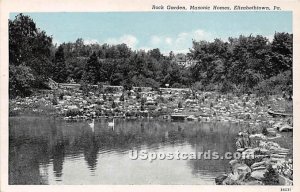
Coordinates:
(152, 95)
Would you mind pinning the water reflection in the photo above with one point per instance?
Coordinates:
(50, 151)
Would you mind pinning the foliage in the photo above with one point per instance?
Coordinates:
(180, 104)
(241, 65)
(29, 49)
(59, 69)
(20, 80)
(73, 112)
(271, 177)
(264, 131)
(114, 105)
(84, 86)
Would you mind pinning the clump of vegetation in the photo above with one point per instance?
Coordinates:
(138, 95)
(73, 112)
(241, 65)
(54, 101)
(264, 131)
(122, 97)
(61, 96)
(180, 104)
(271, 177)
(113, 105)
(257, 158)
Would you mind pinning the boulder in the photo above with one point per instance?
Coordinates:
(254, 182)
(277, 125)
(258, 136)
(248, 153)
(258, 174)
(258, 164)
(72, 107)
(259, 168)
(233, 162)
(285, 127)
(278, 156)
(272, 133)
(271, 129)
(265, 151)
(243, 169)
(284, 181)
(219, 180)
(232, 179)
(240, 171)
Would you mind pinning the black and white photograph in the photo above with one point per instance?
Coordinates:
(150, 98)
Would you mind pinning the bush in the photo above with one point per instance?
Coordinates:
(138, 96)
(113, 105)
(143, 100)
(160, 100)
(85, 88)
(54, 100)
(276, 84)
(197, 86)
(110, 90)
(271, 177)
(226, 87)
(73, 112)
(20, 81)
(180, 104)
(122, 97)
(61, 96)
(264, 131)
(176, 85)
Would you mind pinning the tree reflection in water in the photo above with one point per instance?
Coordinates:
(36, 143)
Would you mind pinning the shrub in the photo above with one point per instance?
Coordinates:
(275, 84)
(85, 88)
(197, 86)
(264, 131)
(61, 96)
(160, 100)
(271, 177)
(73, 112)
(176, 85)
(109, 90)
(180, 104)
(143, 100)
(138, 96)
(122, 97)
(113, 105)
(54, 100)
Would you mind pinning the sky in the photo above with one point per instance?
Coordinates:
(168, 31)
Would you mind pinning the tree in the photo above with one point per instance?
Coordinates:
(282, 49)
(20, 81)
(91, 70)
(271, 177)
(60, 71)
(30, 47)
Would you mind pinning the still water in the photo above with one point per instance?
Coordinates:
(52, 151)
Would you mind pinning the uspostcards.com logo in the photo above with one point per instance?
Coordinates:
(177, 155)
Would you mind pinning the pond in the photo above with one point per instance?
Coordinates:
(52, 151)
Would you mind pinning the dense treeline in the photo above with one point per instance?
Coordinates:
(243, 64)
